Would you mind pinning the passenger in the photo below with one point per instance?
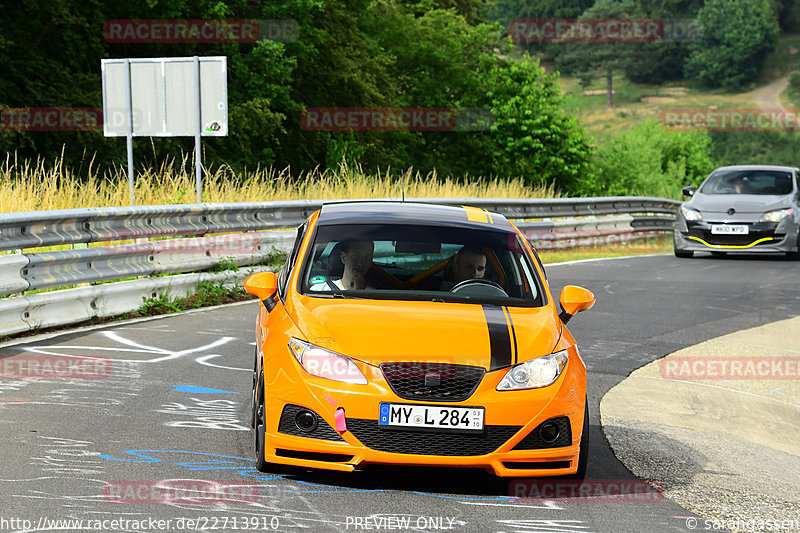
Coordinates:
(355, 260)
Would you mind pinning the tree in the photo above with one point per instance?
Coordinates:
(534, 137)
(588, 60)
(737, 35)
(504, 11)
(660, 61)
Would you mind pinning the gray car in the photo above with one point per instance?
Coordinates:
(748, 208)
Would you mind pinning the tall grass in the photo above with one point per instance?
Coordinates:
(38, 185)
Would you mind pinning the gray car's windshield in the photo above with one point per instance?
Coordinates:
(403, 262)
(764, 182)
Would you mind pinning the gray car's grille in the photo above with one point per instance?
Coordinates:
(702, 230)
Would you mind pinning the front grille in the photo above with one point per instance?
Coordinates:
(756, 231)
(534, 442)
(429, 442)
(435, 382)
(323, 430)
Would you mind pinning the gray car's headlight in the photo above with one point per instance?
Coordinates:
(539, 372)
(775, 216)
(691, 215)
(325, 363)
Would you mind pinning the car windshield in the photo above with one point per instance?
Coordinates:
(766, 182)
(405, 262)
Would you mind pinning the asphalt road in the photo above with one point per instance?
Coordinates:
(174, 405)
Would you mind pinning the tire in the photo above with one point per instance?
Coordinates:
(794, 256)
(260, 429)
(679, 253)
(253, 394)
(583, 458)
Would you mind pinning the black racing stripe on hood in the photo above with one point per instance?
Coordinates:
(499, 340)
(513, 333)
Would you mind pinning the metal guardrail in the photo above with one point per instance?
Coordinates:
(241, 233)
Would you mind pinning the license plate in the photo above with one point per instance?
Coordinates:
(403, 415)
(729, 229)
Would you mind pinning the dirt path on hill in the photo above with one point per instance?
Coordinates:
(769, 96)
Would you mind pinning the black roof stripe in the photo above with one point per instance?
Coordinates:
(376, 212)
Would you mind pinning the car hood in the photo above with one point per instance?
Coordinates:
(742, 203)
(377, 331)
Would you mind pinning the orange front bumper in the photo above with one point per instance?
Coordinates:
(509, 417)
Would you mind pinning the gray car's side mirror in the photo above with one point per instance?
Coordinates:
(688, 191)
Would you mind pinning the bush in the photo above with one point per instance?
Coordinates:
(648, 160)
(794, 81)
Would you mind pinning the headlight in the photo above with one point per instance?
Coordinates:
(691, 215)
(539, 372)
(325, 363)
(775, 216)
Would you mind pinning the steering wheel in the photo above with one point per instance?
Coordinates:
(479, 287)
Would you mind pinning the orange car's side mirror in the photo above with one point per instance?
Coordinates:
(574, 299)
(261, 285)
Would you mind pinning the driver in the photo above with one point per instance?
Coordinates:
(468, 263)
(739, 184)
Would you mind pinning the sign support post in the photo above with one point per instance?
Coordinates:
(198, 162)
(171, 97)
(129, 124)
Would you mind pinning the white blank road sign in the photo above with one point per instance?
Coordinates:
(164, 97)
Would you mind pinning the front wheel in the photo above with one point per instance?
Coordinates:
(253, 392)
(679, 253)
(583, 457)
(259, 436)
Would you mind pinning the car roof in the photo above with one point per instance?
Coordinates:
(413, 213)
(757, 167)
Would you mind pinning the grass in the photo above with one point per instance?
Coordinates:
(45, 185)
(654, 245)
(207, 294)
(635, 102)
(791, 95)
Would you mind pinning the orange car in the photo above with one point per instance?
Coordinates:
(416, 334)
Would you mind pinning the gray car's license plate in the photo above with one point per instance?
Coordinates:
(729, 229)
